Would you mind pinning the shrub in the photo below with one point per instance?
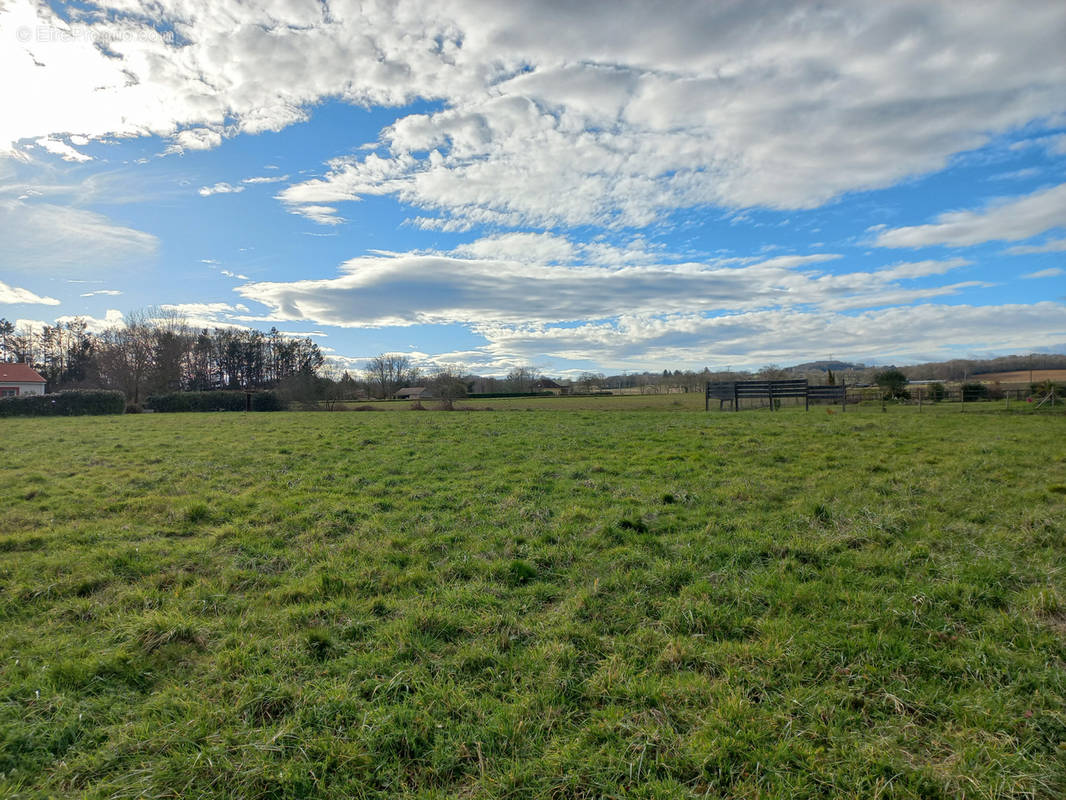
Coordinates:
(64, 404)
(214, 401)
(483, 395)
(974, 391)
(267, 401)
(893, 383)
(937, 392)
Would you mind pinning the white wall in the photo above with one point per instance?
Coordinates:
(24, 388)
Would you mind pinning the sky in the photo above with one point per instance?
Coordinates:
(606, 186)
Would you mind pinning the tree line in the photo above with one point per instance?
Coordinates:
(156, 351)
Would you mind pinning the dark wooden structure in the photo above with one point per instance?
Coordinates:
(735, 391)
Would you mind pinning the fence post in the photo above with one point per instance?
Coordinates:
(919, 399)
(843, 398)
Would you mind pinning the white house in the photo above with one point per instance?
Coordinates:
(20, 379)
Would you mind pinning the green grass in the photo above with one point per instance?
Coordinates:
(640, 603)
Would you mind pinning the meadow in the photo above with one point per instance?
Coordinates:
(579, 601)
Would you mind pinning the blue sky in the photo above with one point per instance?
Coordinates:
(609, 186)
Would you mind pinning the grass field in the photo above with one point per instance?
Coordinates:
(646, 603)
(1023, 376)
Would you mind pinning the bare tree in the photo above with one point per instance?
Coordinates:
(336, 385)
(772, 372)
(448, 384)
(521, 379)
(125, 356)
(390, 372)
(590, 380)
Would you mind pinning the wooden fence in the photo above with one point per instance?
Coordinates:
(772, 391)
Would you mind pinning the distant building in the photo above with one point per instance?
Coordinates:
(20, 380)
(412, 393)
(548, 385)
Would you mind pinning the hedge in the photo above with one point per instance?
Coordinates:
(213, 401)
(487, 395)
(64, 404)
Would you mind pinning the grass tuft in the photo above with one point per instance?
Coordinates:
(319, 643)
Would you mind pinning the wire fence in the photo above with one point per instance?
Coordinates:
(918, 397)
(976, 395)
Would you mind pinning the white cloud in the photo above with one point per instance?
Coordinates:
(1055, 145)
(13, 294)
(1050, 246)
(1017, 174)
(112, 318)
(537, 278)
(740, 109)
(64, 150)
(220, 188)
(324, 215)
(230, 274)
(1053, 272)
(196, 139)
(62, 240)
(109, 292)
(544, 248)
(266, 179)
(547, 114)
(750, 339)
(1009, 220)
(207, 315)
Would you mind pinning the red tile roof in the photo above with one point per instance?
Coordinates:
(19, 373)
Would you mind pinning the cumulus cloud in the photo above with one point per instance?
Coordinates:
(13, 294)
(220, 188)
(1007, 220)
(546, 115)
(700, 106)
(196, 139)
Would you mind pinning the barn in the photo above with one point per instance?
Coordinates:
(20, 380)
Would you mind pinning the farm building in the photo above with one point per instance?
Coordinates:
(20, 379)
(548, 385)
(412, 393)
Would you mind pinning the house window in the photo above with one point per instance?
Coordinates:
(6, 391)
